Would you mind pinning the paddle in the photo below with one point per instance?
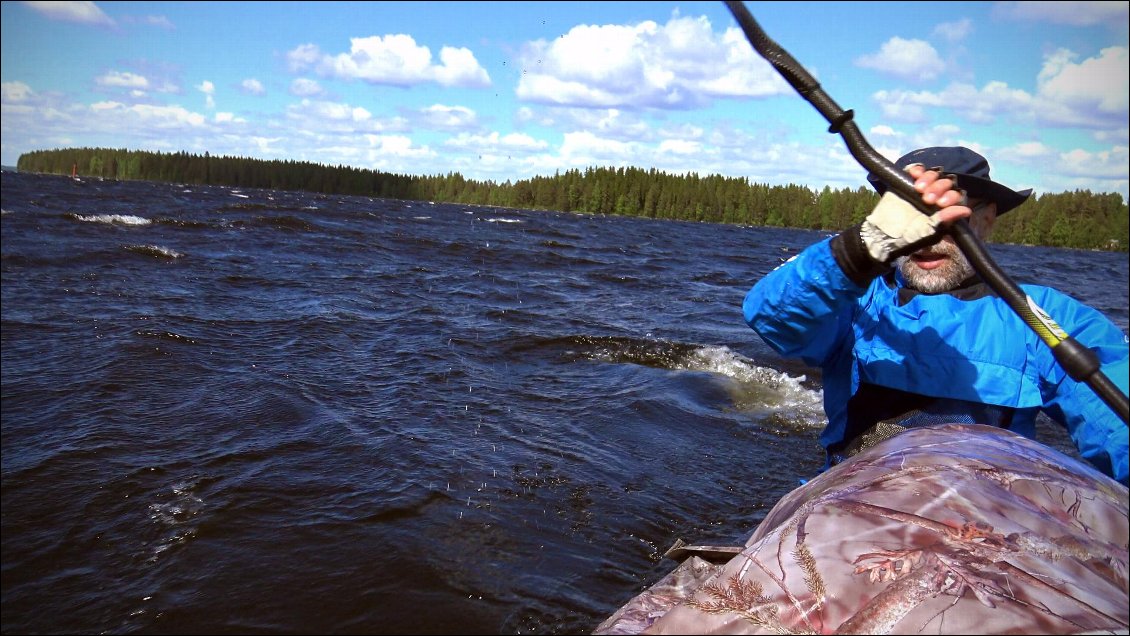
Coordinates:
(1081, 363)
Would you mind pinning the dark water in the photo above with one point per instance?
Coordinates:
(255, 411)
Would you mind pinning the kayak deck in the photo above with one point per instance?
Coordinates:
(948, 529)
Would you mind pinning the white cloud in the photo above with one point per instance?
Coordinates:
(1065, 170)
(303, 87)
(983, 105)
(1025, 151)
(252, 86)
(209, 90)
(1098, 86)
(302, 57)
(147, 115)
(332, 111)
(954, 31)
(612, 123)
(547, 89)
(321, 117)
(883, 131)
(12, 92)
(394, 145)
(680, 147)
(675, 66)
(450, 117)
(681, 131)
(165, 86)
(525, 114)
(115, 79)
(81, 12)
(993, 100)
(460, 68)
(944, 130)
(905, 106)
(586, 147)
(1103, 164)
(265, 145)
(741, 73)
(1113, 135)
(513, 142)
(1088, 94)
(392, 59)
(911, 60)
(159, 21)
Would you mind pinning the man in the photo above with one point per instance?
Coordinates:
(910, 336)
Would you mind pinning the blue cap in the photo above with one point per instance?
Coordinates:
(972, 172)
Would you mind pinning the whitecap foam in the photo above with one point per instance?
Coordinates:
(761, 390)
(113, 219)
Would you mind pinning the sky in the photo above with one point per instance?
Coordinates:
(503, 91)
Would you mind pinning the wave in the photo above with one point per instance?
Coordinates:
(154, 250)
(165, 335)
(111, 219)
(267, 207)
(195, 225)
(764, 392)
(285, 222)
(783, 398)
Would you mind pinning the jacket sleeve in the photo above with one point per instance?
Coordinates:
(803, 308)
(1098, 432)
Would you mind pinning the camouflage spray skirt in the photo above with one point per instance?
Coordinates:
(952, 529)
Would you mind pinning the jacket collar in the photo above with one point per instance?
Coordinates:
(971, 288)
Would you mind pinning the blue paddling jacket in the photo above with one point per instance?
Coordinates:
(958, 356)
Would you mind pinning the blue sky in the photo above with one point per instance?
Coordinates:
(509, 90)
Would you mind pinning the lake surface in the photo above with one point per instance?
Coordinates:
(259, 411)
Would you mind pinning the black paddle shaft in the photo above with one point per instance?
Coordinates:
(1081, 363)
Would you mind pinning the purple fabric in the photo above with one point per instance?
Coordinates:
(948, 529)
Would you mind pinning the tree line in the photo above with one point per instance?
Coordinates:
(1080, 219)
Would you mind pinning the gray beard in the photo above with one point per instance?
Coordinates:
(941, 279)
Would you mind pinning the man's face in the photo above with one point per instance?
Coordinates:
(942, 266)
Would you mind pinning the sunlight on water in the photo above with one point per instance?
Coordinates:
(177, 516)
(154, 250)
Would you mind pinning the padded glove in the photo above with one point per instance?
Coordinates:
(893, 225)
(894, 228)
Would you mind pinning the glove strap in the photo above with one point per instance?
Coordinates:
(852, 256)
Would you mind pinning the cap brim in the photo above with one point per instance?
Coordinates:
(1006, 198)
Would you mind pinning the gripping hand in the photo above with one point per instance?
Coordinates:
(894, 225)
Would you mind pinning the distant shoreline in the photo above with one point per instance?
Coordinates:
(1079, 220)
